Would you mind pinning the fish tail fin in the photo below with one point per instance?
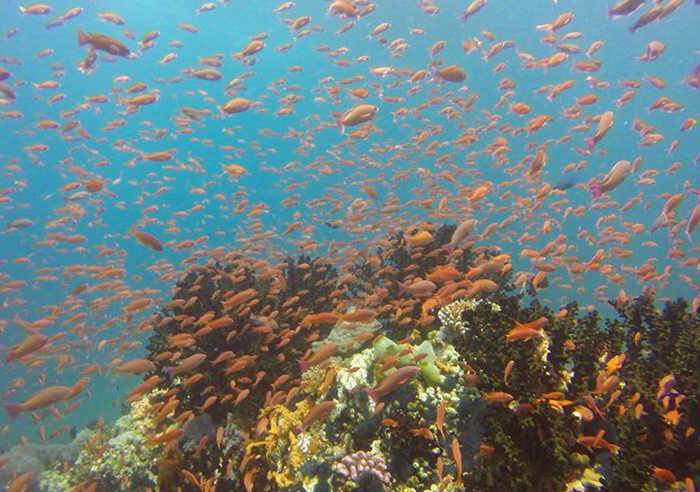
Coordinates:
(82, 38)
(595, 191)
(433, 70)
(341, 127)
(11, 355)
(13, 409)
(372, 393)
(402, 288)
(591, 143)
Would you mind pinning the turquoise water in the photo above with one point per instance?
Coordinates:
(279, 168)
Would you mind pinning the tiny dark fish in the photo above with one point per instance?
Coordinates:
(565, 184)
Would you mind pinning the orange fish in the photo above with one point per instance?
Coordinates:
(136, 366)
(147, 239)
(236, 105)
(457, 456)
(30, 344)
(526, 331)
(45, 397)
(357, 115)
(472, 9)
(318, 412)
(498, 397)
(35, 9)
(103, 43)
(440, 418)
(605, 122)
(451, 73)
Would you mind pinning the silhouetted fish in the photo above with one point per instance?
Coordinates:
(565, 184)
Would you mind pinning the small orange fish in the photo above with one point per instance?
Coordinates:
(498, 397)
(457, 456)
(440, 418)
(423, 432)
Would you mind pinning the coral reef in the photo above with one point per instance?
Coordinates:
(658, 427)
(507, 396)
(115, 458)
(450, 316)
(40, 458)
(355, 465)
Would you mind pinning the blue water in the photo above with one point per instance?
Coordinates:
(382, 156)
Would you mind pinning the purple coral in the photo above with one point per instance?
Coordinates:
(354, 465)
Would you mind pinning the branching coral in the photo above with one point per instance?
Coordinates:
(451, 315)
(284, 446)
(354, 465)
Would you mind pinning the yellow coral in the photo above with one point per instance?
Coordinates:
(280, 444)
(445, 367)
(312, 378)
(589, 479)
(140, 411)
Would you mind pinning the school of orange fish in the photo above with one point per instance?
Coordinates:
(390, 137)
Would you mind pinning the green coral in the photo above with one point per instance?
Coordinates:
(531, 448)
(669, 343)
(537, 446)
(429, 370)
